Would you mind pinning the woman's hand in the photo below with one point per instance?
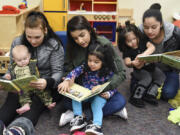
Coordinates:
(39, 84)
(64, 86)
(105, 95)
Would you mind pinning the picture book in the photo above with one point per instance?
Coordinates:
(169, 58)
(80, 93)
(17, 85)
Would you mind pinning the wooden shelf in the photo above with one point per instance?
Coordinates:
(104, 32)
(99, 2)
(81, 0)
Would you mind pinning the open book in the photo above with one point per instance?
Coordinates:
(80, 93)
(17, 85)
(169, 58)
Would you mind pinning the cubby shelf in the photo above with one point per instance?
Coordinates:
(97, 2)
(101, 14)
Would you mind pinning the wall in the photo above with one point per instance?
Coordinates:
(17, 2)
(139, 7)
(168, 7)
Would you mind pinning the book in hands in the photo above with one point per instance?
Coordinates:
(80, 93)
(16, 85)
(171, 59)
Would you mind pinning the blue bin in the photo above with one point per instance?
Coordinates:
(63, 37)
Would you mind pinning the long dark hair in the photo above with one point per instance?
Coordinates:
(35, 19)
(105, 54)
(122, 31)
(77, 23)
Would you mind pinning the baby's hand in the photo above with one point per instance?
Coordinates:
(7, 76)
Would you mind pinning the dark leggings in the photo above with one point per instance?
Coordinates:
(8, 110)
(114, 104)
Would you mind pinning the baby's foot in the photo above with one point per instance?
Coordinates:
(23, 109)
(52, 105)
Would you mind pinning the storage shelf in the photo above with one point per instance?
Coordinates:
(104, 32)
(81, 0)
(98, 2)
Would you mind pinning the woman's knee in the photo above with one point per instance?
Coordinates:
(168, 94)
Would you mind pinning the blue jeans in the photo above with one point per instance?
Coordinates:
(114, 104)
(97, 103)
(171, 85)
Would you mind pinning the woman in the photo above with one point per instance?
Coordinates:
(44, 46)
(80, 36)
(166, 37)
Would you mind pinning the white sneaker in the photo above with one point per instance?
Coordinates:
(66, 118)
(122, 113)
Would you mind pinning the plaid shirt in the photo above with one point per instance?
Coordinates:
(90, 78)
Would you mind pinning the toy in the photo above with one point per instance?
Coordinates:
(8, 9)
(23, 4)
(82, 7)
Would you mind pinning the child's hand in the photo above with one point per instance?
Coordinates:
(95, 88)
(7, 76)
(138, 64)
(64, 86)
(105, 95)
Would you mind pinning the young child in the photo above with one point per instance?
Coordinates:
(132, 43)
(97, 70)
(23, 66)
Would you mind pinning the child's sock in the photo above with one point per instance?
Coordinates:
(15, 130)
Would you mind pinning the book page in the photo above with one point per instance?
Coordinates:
(8, 85)
(151, 58)
(173, 53)
(80, 93)
(172, 61)
(23, 83)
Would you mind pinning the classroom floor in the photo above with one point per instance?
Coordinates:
(151, 120)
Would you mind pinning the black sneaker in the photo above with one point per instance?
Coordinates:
(93, 129)
(138, 102)
(77, 123)
(150, 99)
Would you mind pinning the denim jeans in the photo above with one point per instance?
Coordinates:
(171, 85)
(25, 124)
(97, 103)
(113, 105)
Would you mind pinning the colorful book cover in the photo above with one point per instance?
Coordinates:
(80, 93)
(17, 85)
(171, 59)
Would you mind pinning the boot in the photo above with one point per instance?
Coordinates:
(136, 97)
(150, 96)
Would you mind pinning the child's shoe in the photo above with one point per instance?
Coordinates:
(137, 95)
(93, 129)
(77, 123)
(138, 102)
(150, 99)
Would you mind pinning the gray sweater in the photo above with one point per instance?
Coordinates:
(50, 59)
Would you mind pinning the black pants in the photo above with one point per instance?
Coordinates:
(8, 110)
